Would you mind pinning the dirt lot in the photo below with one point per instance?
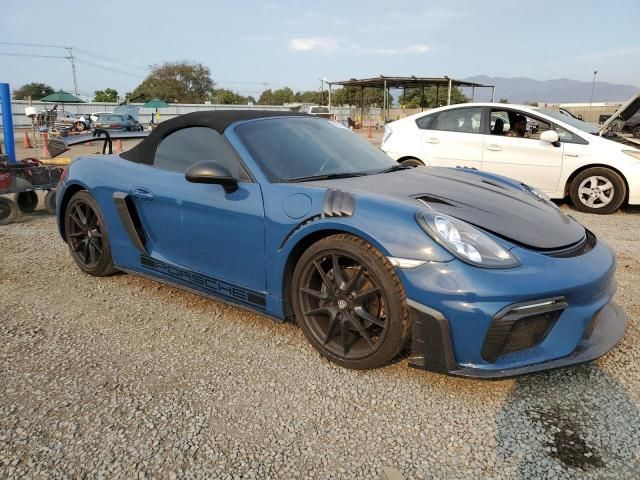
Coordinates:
(125, 377)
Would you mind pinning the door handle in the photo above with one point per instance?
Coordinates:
(493, 148)
(571, 155)
(142, 193)
(431, 140)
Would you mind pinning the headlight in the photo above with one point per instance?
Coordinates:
(634, 153)
(465, 241)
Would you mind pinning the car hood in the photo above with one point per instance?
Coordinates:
(493, 203)
(624, 113)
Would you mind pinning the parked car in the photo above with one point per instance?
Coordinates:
(118, 123)
(559, 155)
(296, 217)
(95, 115)
(318, 111)
(76, 122)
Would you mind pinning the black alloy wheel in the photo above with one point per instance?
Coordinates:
(86, 235)
(350, 307)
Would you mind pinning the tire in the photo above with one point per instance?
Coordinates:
(598, 190)
(636, 132)
(412, 162)
(79, 126)
(359, 319)
(50, 202)
(8, 210)
(87, 235)
(27, 201)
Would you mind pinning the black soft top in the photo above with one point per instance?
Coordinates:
(217, 120)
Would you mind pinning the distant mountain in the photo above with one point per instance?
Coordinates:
(561, 90)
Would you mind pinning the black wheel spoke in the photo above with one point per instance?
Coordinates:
(330, 331)
(315, 293)
(76, 220)
(86, 251)
(92, 252)
(361, 330)
(97, 234)
(325, 278)
(344, 330)
(81, 216)
(77, 234)
(338, 277)
(320, 311)
(97, 245)
(365, 296)
(354, 279)
(364, 315)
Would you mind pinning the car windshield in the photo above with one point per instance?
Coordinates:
(296, 149)
(574, 122)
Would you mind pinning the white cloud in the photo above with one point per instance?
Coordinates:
(418, 48)
(318, 44)
(330, 45)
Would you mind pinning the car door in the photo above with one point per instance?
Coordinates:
(452, 138)
(525, 158)
(200, 227)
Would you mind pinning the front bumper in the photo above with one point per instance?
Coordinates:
(490, 323)
(432, 348)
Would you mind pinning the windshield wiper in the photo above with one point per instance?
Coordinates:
(327, 176)
(395, 168)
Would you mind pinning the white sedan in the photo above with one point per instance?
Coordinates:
(558, 155)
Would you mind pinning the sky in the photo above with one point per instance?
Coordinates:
(253, 45)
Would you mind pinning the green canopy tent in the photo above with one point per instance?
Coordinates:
(61, 97)
(155, 103)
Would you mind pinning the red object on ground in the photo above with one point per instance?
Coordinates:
(118, 146)
(27, 141)
(369, 132)
(45, 146)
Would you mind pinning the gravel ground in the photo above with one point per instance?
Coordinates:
(125, 377)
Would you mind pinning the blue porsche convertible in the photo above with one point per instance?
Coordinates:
(296, 217)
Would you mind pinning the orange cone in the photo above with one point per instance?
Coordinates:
(118, 146)
(27, 141)
(369, 133)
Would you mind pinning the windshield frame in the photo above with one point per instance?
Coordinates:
(256, 164)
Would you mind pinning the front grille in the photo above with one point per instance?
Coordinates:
(586, 245)
(521, 326)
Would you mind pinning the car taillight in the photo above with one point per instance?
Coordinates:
(64, 175)
(115, 125)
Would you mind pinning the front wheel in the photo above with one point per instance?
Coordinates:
(598, 190)
(350, 303)
(87, 236)
(80, 126)
(412, 162)
(8, 210)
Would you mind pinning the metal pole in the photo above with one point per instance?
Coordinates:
(593, 86)
(422, 100)
(361, 107)
(7, 122)
(73, 70)
(473, 93)
(385, 102)
(437, 96)
(493, 93)
(329, 97)
(449, 94)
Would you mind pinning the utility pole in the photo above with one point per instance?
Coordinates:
(72, 59)
(593, 86)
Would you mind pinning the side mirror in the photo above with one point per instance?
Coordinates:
(550, 136)
(213, 173)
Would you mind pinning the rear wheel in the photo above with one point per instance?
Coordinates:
(27, 201)
(8, 210)
(79, 126)
(598, 190)
(87, 236)
(350, 303)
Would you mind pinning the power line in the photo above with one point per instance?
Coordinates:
(12, 54)
(109, 59)
(21, 44)
(103, 67)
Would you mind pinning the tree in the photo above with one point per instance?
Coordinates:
(183, 82)
(106, 95)
(277, 97)
(227, 97)
(413, 98)
(503, 100)
(34, 90)
(353, 96)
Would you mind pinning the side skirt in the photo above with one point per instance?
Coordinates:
(211, 296)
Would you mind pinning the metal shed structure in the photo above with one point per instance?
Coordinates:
(387, 83)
